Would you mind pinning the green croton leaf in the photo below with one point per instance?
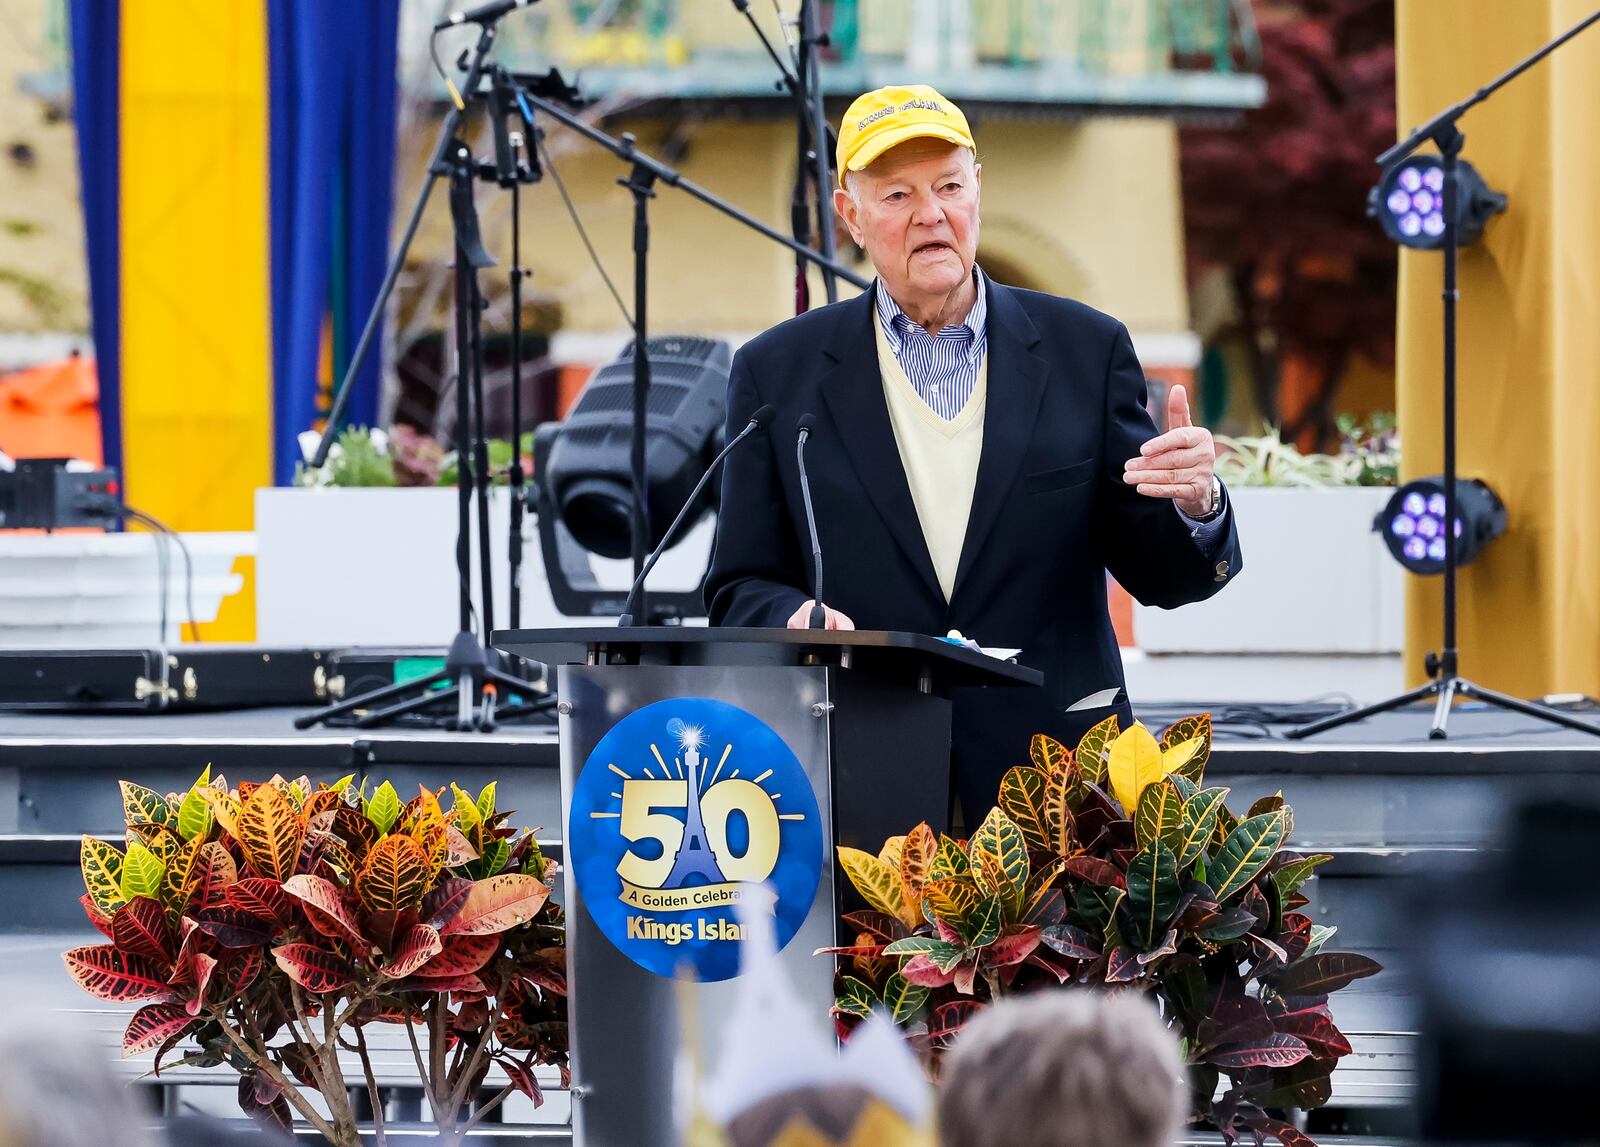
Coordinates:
(1200, 813)
(1246, 852)
(384, 807)
(194, 814)
(903, 998)
(1159, 815)
(1153, 892)
(145, 806)
(142, 871)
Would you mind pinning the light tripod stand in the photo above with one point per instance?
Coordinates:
(1445, 682)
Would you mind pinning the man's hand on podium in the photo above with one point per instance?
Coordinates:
(801, 618)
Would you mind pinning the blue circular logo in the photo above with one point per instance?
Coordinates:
(685, 809)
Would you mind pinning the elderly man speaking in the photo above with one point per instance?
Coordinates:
(981, 455)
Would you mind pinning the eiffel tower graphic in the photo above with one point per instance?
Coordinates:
(695, 857)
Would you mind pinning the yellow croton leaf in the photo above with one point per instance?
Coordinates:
(879, 884)
(1181, 754)
(1136, 761)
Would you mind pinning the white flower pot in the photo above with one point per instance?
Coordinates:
(377, 566)
(1316, 580)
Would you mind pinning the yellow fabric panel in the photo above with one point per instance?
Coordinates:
(196, 367)
(236, 617)
(1527, 346)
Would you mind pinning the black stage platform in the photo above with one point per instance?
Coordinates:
(1386, 801)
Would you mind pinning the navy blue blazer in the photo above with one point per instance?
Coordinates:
(1050, 512)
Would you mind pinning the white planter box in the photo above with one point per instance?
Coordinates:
(1316, 580)
(99, 590)
(377, 566)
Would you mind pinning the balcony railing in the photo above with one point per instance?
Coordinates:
(1173, 54)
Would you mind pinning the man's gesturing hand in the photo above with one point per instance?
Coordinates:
(1178, 464)
(801, 618)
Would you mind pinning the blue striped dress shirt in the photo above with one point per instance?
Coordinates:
(942, 367)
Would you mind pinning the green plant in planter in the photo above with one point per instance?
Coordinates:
(268, 927)
(1113, 865)
(1267, 460)
(1374, 446)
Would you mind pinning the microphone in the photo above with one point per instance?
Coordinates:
(482, 14)
(758, 421)
(819, 616)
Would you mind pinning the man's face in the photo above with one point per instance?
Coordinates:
(917, 216)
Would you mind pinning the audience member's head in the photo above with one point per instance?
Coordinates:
(57, 1090)
(1064, 1069)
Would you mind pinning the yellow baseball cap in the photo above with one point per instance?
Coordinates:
(889, 116)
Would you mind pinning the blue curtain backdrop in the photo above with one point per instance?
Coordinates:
(96, 27)
(332, 98)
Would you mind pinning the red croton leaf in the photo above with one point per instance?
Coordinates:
(139, 928)
(461, 955)
(214, 870)
(191, 971)
(419, 944)
(315, 969)
(1325, 972)
(325, 907)
(261, 897)
(440, 906)
(1277, 1050)
(1101, 873)
(1013, 947)
(242, 969)
(923, 972)
(1317, 1030)
(1286, 1133)
(1236, 1019)
(99, 919)
(263, 1102)
(1123, 965)
(152, 1026)
(233, 928)
(522, 1079)
(467, 982)
(498, 903)
(883, 927)
(948, 1020)
(109, 974)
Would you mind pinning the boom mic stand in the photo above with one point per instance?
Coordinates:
(812, 140)
(645, 172)
(468, 665)
(1445, 680)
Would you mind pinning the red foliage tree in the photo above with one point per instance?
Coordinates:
(1280, 202)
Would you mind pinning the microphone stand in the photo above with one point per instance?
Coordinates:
(811, 141)
(691, 503)
(468, 665)
(645, 172)
(1445, 681)
(819, 614)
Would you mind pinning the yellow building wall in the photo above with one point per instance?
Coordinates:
(1529, 345)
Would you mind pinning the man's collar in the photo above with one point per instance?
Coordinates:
(889, 311)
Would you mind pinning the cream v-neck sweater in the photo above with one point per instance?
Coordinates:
(940, 458)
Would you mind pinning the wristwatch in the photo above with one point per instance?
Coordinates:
(1216, 501)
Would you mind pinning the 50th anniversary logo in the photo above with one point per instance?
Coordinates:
(683, 810)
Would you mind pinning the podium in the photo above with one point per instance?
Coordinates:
(702, 768)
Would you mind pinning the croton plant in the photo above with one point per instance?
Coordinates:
(266, 927)
(1114, 866)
